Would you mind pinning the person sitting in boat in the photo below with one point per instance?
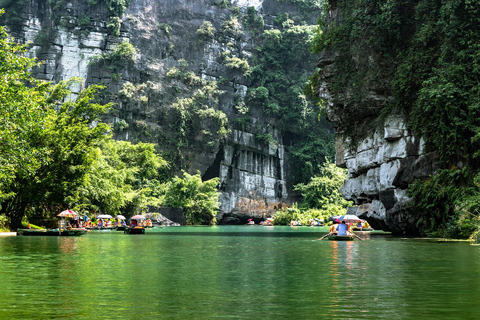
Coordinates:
(342, 229)
(333, 229)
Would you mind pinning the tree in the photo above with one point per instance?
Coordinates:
(323, 191)
(67, 141)
(46, 140)
(22, 113)
(122, 178)
(199, 199)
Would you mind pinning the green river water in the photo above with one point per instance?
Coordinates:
(244, 272)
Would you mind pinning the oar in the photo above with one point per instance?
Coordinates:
(357, 237)
(325, 236)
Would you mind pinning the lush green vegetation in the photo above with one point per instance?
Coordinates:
(321, 197)
(424, 54)
(56, 154)
(206, 31)
(12, 17)
(279, 82)
(115, 11)
(277, 79)
(323, 191)
(198, 199)
(448, 203)
(103, 180)
(116, 59)
(222, 3)
(195, 121)
(4, 223)
(123, 178)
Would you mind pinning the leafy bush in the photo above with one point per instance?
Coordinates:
(222, 3)
(116, 8)
(321, 197)
(232, 28)
(237, 64)
(12, 17)
(119, 57)
(121, 178)
(121, 125)
(206, 32)
(447, 203)
(165, 27)
(199, 199)
(277, 88)
(4, 223)
(305, 216)
(45, 38)
(113, 25)
(324, 189)
(84, 21)
(284, 216)
(254, 21)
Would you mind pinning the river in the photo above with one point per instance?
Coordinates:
(241, 272)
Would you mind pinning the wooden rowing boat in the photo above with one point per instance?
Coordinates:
(335, 237)
(134, 230)
(101, 228)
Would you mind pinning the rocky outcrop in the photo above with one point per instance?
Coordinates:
(382, 161)
(254, 173)
(380, 170)
(253, 177)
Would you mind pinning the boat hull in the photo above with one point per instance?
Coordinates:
(340, 238)
(136, 230)
(101, 229)
(51, 232)
(362, 229)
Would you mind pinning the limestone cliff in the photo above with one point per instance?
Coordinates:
(190, 58)
(383, 156)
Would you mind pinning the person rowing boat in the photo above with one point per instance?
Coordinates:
(343, 229)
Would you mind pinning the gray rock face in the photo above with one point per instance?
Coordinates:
(254, 175)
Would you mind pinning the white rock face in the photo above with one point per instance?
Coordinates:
(76, 53)
(248, 3)
(70, 54)
(375, 168)
(256, 172)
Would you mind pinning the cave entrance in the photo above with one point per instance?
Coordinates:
(214, 170)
